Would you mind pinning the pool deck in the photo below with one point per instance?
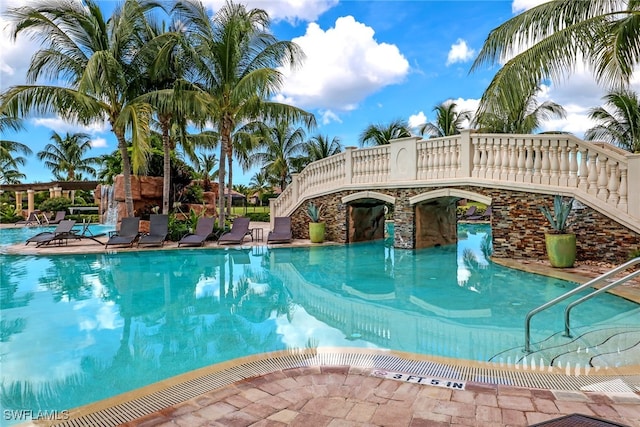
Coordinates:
(348, 395)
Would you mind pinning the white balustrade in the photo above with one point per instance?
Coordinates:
(562, 162)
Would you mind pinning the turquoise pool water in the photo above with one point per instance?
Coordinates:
(77, 329)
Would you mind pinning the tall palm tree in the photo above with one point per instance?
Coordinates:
(110, 167)
(65, 156)
(557, 35)
(204, 166)
(280, 144)
(320, 147)
(92, 60)
(448, 121)
(9, 174)
(518, 115)
(381, 134)
(236, 61)
(621, 124)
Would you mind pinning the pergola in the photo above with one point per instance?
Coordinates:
(55, 188)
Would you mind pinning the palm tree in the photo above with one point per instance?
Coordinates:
(236, 60)
(280, 144)
(320, 147)
(9, 174)
(8, 148)
(93, 60)
(110, 167)
(448, 121)
(621, 126)
(204, 168)
(560, 34)
(260, 185)
(381, 134)
(66, 155)
(521, 115)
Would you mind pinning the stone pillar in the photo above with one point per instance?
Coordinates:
(52, 193)
(404, 219)
(403, 162)
(633, 185)
(466, 153)
(18, 201)
(348, 164)
(57, 191)
(295, 188)
(30, 202)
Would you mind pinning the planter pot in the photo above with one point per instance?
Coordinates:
(316, 232)
(561, 249)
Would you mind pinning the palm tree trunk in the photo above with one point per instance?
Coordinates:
(126, 173)
(229, 195)
(225, 136)
(166, 166)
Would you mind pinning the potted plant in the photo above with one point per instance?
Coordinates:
(316, 226)
(561, 245)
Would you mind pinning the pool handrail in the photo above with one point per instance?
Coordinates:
(590, 283)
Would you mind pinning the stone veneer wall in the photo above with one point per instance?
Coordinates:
(518, 226)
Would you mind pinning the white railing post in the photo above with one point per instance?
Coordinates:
(466, 154)
(295, 186)
(403, 160)
(272, 211)
(348, 164)
(633, 180)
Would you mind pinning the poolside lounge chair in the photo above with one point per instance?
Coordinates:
(204, 228)
(281, 232)
(129, 232)
(56, 220)
(61, 233)
(32, 219)
(469, 213)
(239, 229)
(158, 230)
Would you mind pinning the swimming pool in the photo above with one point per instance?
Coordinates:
(81, 328)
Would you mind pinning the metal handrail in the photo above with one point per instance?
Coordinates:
(527, 322)
(612, 285)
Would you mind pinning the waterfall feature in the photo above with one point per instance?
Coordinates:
(109, 207)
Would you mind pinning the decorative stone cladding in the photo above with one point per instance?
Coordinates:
(518, 226)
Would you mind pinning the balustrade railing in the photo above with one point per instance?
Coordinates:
(547, 162)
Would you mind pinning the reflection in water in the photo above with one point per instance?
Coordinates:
(107, 323)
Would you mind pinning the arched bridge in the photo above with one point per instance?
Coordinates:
(420, 182)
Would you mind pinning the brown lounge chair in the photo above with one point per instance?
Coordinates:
(61, 233)
(281, 232)
(32, 219)
(239, 229)
(158, 230)
(129, 232)
(204, 228)
(56, 220)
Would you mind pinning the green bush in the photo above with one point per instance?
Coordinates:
(8, 213)
(193, 194)
(259, 216)
(55, 204)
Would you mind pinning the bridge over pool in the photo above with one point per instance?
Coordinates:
(421, 181)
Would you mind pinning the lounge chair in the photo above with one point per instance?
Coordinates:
(129, 232)
(158, 230)
(32, 219)
(281, 232)
(469, 213)
(239, 229)
(204, 228)
(483, 216)
(61, 233)
(56, 220)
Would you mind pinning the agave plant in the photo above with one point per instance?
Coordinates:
(558, 217)
(314, 212)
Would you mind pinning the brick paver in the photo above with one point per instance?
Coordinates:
(341, 397)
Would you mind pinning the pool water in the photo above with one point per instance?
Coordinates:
(80, 328)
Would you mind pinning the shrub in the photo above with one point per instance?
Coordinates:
(55, 204)
(8, 213)
(259, 216)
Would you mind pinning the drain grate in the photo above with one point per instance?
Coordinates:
(578, 420)
(216, 377)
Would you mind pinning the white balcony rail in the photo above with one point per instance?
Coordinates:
(597, 173)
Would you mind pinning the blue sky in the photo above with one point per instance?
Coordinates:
(367, 62)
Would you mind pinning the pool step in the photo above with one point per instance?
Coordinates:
(599, 348)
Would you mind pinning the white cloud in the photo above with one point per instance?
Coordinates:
(329, 116)
(343, 66)
(63, 126)
(416, 120)
(460, 52)
(521, 5)
(284, 10)
(15, 57)
(99, 143)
